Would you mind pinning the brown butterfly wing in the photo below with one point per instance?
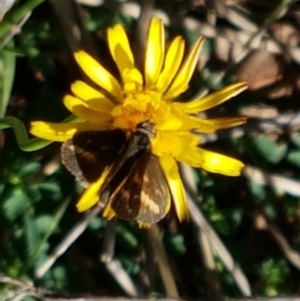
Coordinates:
(88, 153)
(144, 194)
(155, 194)
(127, 185)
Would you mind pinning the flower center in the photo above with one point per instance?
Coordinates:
(136, 108)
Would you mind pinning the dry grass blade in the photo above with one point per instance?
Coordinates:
(200, 221)
(66, 243)
(211, 276)
(15, 29)
(162, 261)
(233, 15)
(71, 22)
(292, 256)
(287, 185)
(44, 295)
(113, 266)
(116, 270)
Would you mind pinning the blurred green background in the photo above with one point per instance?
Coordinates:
(255, 217)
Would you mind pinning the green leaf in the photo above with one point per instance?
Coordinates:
(7, 73)
(26, 144)
(127, 237)
(96, 223)
(20, 131)
(50, 189)
(16, 14)
(44, 223)
(176, 243)
(15, 204)
(294, 157)
(295, 138)
(272, 151)
(30, 169)
(130, 265)
(59, 277)
(31, 234)
(258, 191)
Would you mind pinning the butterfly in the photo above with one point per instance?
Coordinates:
(135, 186)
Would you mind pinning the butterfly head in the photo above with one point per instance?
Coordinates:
(148, 128)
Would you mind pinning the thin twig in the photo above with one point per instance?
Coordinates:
(113, 266)
(56, 218)
(292, 256)
(15, 29)
(162, 261)
(21, 288)
(200, 221)
(116, 270)
(71, 22)
(109, 241)
(66, 242)
(46, 295)
(285, 184)
(211, 276)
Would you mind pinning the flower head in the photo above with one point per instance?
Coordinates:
(151, 95)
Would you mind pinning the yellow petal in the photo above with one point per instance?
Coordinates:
(144, 225)
(224, 123)
(178, 120)
(171, 172)
(155, 51)
(85, 91)
(89, 198)
(212, 162)
(61, 131)
(166, 142)
(91, 195)
(214, 99)
(132, 81)
(108, 212)
(98, 74)
(94, 98)
(172, 63)
(202, 125)
(121, 53)
(81, 109)
(173, 142)
(54, 131)
(119, 48)
(184, 122)
(181, 81)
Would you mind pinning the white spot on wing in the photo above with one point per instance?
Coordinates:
(148, 202)
(71, 147)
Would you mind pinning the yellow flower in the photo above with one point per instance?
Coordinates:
(150, 95)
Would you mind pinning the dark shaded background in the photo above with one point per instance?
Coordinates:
(255, 217)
